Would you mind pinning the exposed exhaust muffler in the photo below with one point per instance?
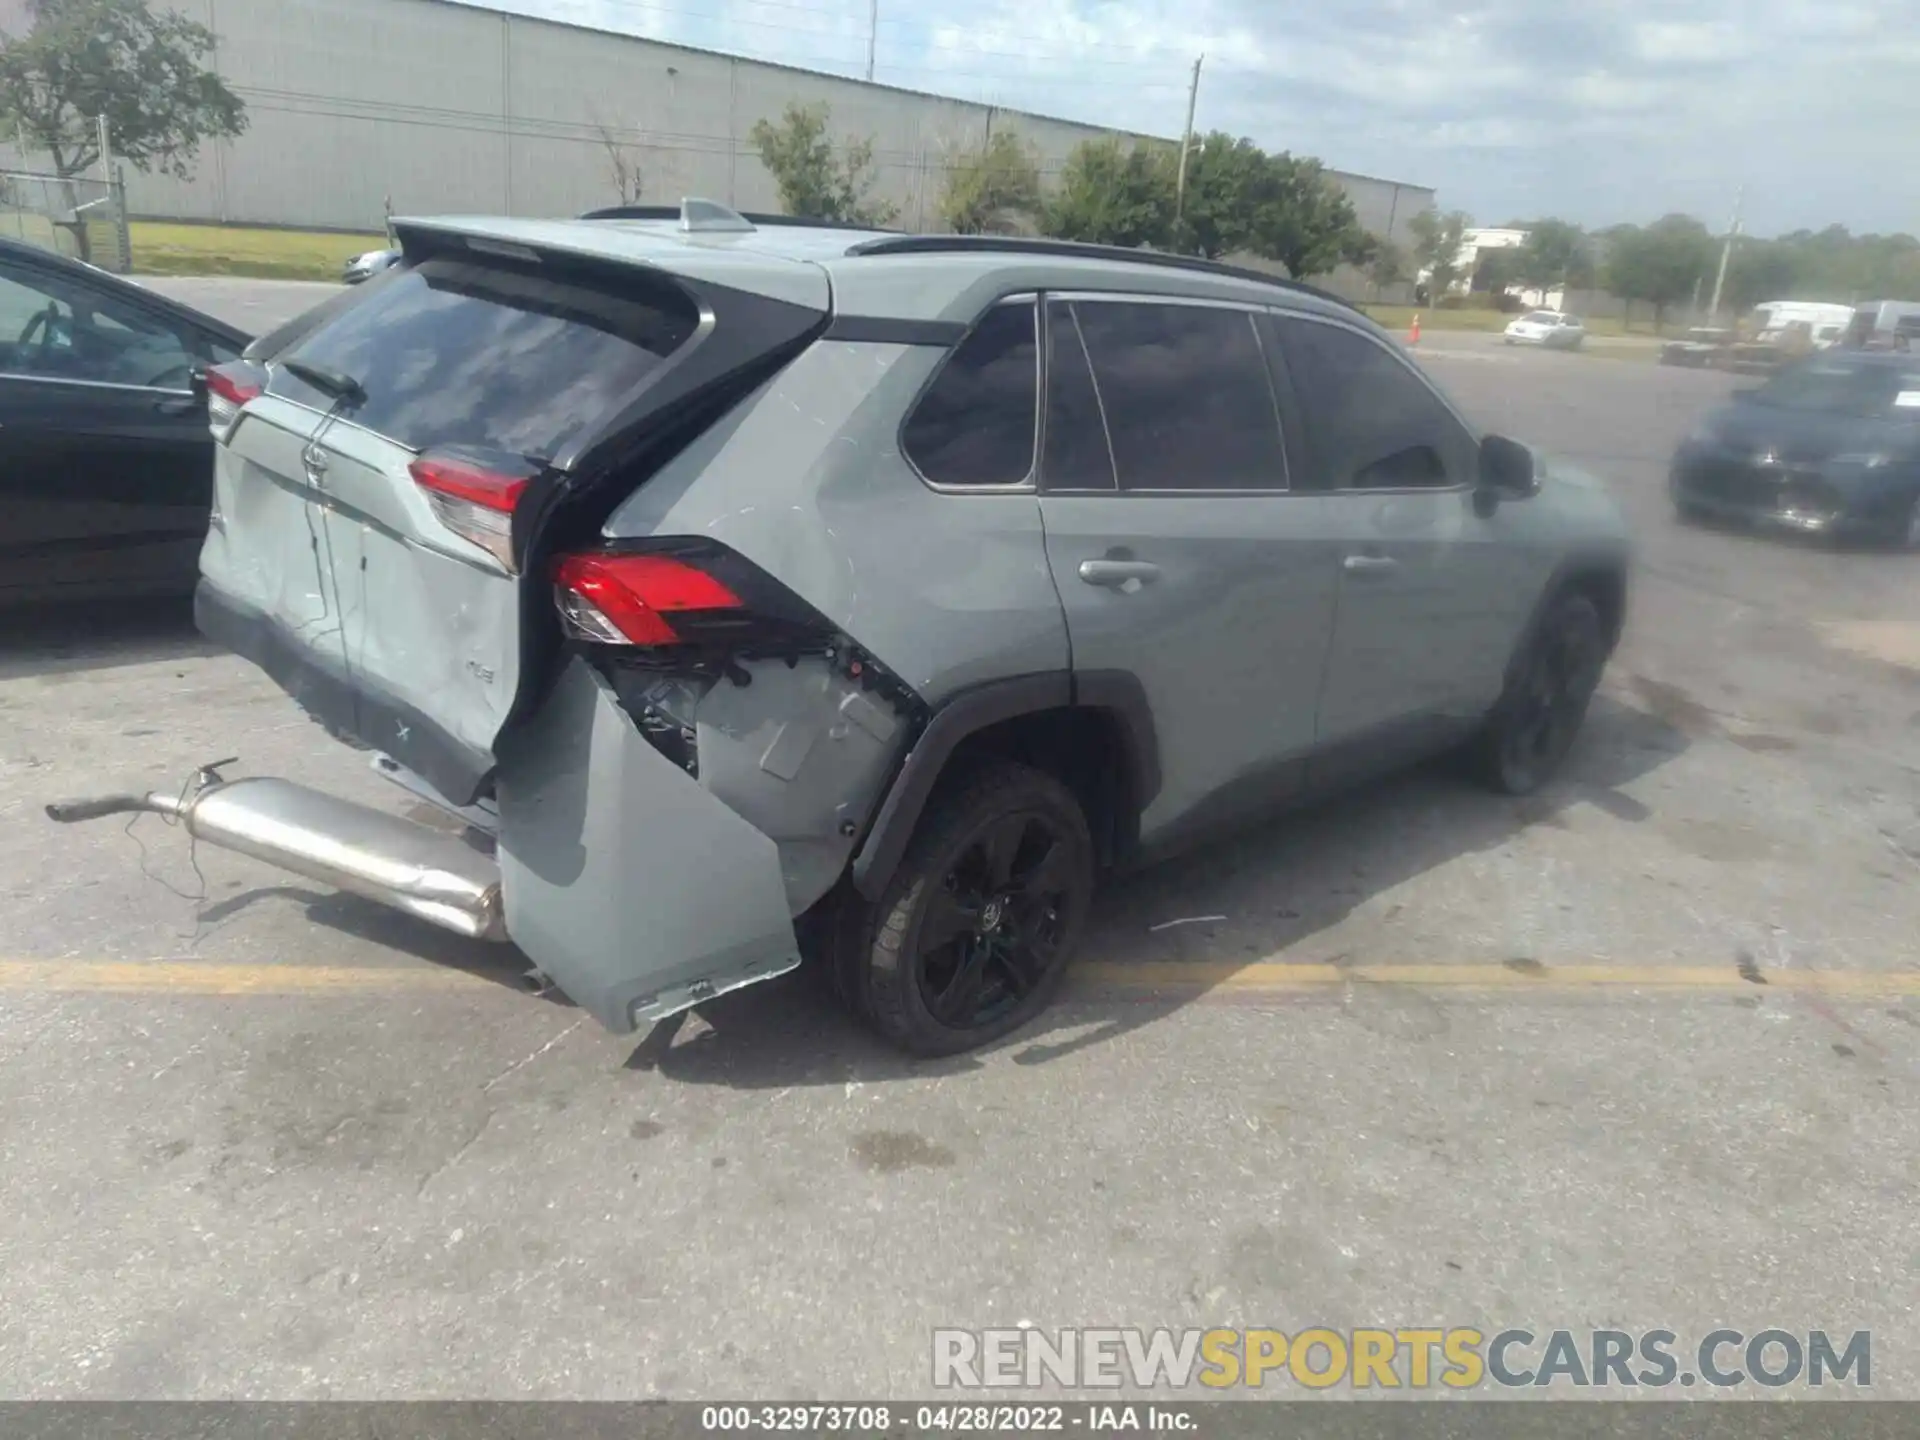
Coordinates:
(427, 873)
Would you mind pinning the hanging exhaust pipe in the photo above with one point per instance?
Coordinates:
(429, 874)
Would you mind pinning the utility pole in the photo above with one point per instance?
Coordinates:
(873, 35)
(1186, 141)
(1726, 253)
(106, 153)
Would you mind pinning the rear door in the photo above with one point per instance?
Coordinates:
(105, 461)
(1180, 553)
(1433, 590)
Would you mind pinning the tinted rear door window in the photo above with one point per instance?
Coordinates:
(1373, 423)
(1188, 401)
(1076, 455)
(454, 352)
(976, 423)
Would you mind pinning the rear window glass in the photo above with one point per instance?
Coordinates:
(975, 425)
(457, 353)
(1835, 386)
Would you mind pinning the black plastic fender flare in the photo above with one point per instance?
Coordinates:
(1116, 692)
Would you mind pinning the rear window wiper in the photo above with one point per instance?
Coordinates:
(337, 383)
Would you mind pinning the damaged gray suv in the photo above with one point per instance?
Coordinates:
(740, 583)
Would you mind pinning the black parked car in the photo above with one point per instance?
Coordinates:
(1830, 446)
(106, 463)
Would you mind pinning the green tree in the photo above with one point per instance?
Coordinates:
(1661, 263)
(1308, 224)
(991, 189)
(815, 182)
(1437, 239)
(1111, 194)
(1497, 271)
(145, 72)
(1557, 253)
(1228, 182)
(1241, 200)
(1761, 270)
(1388, 266)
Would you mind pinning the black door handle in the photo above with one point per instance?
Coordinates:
(177, 404)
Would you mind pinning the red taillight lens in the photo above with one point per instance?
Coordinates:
(472, 499)
(236, 383)
(229, 387)
(627, 599)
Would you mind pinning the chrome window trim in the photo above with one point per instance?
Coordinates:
(91, 384)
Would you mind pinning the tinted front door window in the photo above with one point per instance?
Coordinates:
(1374, 424)
(54, 328)
(1188, 401)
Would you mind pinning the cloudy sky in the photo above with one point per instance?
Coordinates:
(1596, 110)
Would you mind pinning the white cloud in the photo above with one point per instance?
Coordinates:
(1602, 111)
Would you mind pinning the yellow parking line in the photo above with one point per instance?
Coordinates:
(1290, 977)
(210, 977)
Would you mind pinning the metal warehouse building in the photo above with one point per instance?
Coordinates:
(437, 106)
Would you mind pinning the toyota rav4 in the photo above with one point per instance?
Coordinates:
(741, 582)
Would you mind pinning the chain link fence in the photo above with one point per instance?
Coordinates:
(83, 218)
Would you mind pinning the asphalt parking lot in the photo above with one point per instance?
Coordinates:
(1640, 1052)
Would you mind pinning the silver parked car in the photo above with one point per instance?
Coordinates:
(362, 268)
(1548, 328)
(745, 585)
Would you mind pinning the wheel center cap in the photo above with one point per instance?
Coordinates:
(994, 913)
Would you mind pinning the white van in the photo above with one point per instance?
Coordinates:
(1826, 323)
(1883, 319)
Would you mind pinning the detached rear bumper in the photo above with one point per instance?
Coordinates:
(350, 708)
(630, 886)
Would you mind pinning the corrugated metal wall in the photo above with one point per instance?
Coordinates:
(441, 107)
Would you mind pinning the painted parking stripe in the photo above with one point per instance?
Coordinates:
(205, 977)
(1280, 977)
(194, 977)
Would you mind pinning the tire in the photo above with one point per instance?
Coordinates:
(1530, 731)
(1004, 855)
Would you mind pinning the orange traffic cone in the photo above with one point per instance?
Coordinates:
(1413, 333)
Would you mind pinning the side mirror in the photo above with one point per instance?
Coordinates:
(1506, 468)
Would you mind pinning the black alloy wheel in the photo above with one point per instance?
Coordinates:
(973, 937)
(991, 931)
(1534, 726)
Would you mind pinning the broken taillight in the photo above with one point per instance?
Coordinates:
(229, 388)
(634, 599)
(474, 496)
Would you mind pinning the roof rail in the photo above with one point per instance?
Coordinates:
(1081, 250)
(757, 220)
